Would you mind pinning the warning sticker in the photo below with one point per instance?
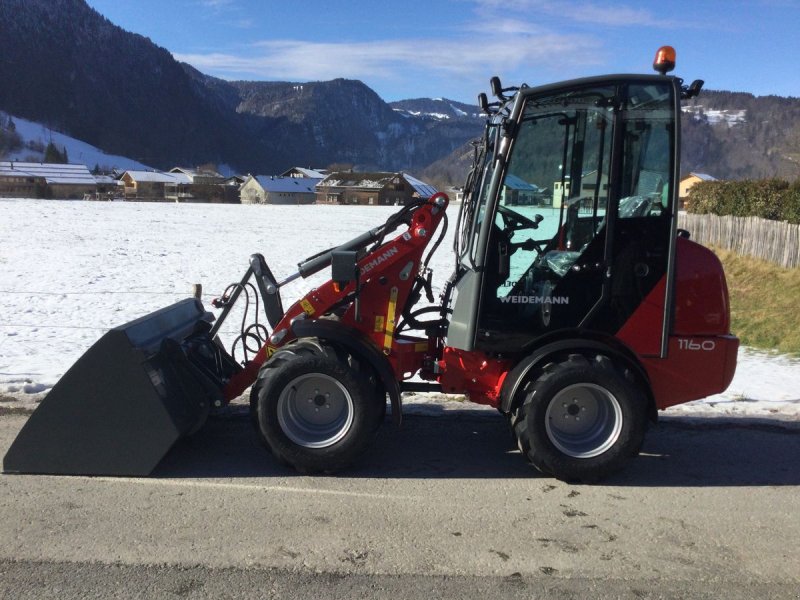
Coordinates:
(308, 307)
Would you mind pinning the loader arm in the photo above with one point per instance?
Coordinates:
(380, 290)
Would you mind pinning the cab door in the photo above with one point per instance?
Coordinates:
(582, 221)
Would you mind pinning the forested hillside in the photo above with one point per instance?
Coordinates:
(66, 66)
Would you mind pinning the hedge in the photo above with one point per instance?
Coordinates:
(773, 199)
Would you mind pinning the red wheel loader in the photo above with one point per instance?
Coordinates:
(578, 337)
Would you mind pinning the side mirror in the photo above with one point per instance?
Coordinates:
(497, 87)
(483, 102)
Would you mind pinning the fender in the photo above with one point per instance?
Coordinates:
(359, 345)
(600, 343)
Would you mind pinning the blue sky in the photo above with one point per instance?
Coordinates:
(451, 48)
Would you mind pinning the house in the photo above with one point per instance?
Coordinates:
(45, 180)
(688, 182)
(517, 191)
(198, 176)
(305, 173)
(180, 188)
(108, 188)
(589, 185)
(456, 194)
(263, 189)
(348, 187)
(196, 185)
(230, 188)
(148, 185)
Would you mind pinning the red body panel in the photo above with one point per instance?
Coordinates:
(701, 353)
(642, 332)
(474, 374)
(702, 306)
(695, 367)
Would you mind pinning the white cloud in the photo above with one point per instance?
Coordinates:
(599, 13)
(301, 60)
(216, 4)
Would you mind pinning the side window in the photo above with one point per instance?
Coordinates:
(647, 159)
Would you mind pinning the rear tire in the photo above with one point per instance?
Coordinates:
(313, 411)
(581, 420)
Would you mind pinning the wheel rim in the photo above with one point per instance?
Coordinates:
(315, 410)
(583, 420)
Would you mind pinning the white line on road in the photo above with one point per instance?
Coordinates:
(244, 486)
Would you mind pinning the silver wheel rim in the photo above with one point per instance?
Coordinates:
(315, 410)
(583, 420)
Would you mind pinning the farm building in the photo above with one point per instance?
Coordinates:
(148, 185)
(348, 187)
(263, 189)
(45, 180)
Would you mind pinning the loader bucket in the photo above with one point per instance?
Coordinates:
(125, 402)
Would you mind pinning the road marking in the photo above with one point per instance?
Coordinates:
(244, 486)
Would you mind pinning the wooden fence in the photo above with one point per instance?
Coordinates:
(774, 241)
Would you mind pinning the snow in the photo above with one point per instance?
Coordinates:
(69, 271)
(730, 117)
(458, 111)
(77, 151)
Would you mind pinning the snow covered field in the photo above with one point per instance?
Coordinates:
(71, 270)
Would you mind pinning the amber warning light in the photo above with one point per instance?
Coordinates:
(665, 60)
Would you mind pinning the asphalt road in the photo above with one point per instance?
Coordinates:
(443, 507)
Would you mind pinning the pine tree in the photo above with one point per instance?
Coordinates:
(53, 155)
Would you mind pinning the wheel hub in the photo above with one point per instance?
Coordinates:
(315, 410)
(583, 420)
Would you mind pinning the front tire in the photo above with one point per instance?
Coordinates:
(581, 420)
(314, 412)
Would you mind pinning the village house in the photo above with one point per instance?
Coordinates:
(198, 185)
(380, 189)
(688, 182)
(588, 187)
(108, 188)
(517, 191)
(263, 189)
(305, 173)
(45, 180)
(148, 185)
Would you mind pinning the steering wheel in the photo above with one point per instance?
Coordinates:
(512, 220)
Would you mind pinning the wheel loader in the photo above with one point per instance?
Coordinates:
(578, 338)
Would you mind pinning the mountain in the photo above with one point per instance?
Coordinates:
(439, 109)
(68, 67)
(729, 135)
(734, 135)
(64, 65)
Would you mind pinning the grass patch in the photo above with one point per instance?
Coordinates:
(765, 312)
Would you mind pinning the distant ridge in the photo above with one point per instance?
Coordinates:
(64, 65)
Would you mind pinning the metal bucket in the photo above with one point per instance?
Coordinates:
(127, 400)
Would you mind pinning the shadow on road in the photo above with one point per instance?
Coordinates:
(471, 445)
